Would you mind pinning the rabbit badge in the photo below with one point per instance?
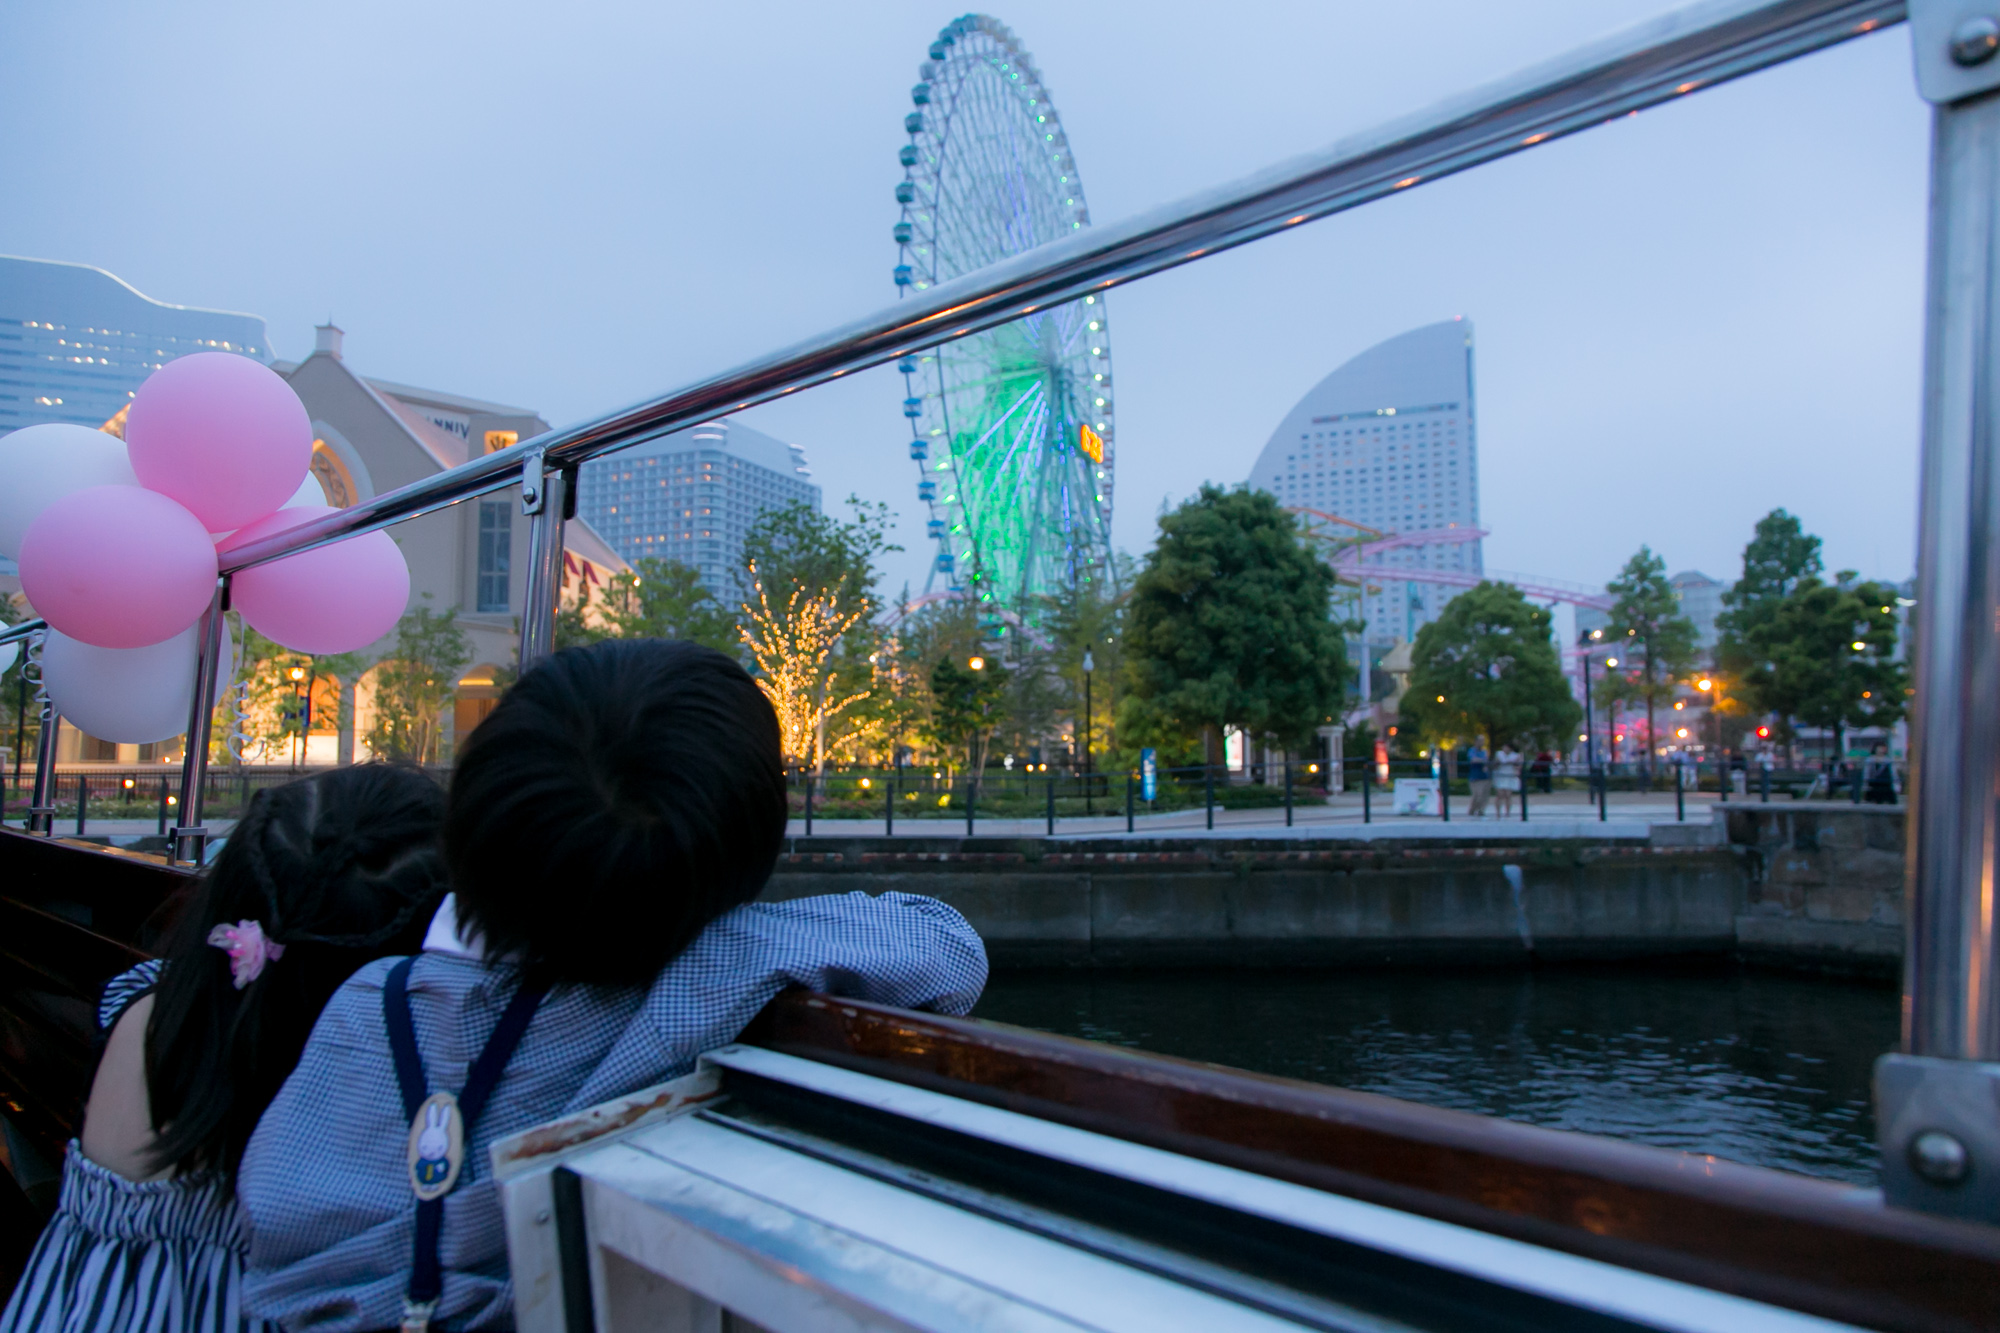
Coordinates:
(437, 1146)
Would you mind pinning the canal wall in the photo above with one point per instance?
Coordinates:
(1784, 884)
(1823, 883)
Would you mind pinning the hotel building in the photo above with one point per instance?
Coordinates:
(1387, 445)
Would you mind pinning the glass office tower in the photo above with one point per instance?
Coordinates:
(75, 342)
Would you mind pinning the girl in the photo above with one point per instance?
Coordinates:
(320, 877)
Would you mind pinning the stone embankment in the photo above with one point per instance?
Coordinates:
(1802, 884)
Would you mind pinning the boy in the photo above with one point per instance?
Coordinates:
(608, 826)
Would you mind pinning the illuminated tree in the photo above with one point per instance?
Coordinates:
(797, 668)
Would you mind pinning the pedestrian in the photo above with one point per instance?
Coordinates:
(1545, 772)
(1481, 781)
(1506, 777)
(1883, 787)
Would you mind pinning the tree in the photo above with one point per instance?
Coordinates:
(1779, 558)
(414, 683)
(1826, 655)
(261, 714)
(665, 599)
(1487, 668)
(799, 547)
(1228, 626)
(794, 652)
(1088, 616)
(965, 702)
(1647, 619)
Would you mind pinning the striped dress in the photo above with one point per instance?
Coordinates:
(122, 1256)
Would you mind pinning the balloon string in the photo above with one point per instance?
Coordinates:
(239, 733)
(31, 667)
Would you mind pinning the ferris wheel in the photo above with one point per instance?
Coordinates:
(1011, 429)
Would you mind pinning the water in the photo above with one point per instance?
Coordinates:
(1765, 1068)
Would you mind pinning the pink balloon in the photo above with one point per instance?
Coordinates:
(220, 433)
(118, 566)
(331, 600)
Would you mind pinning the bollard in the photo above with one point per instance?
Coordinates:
(1288, 793)
(1524, 790)
(1131, 783)
(889, 805)
(971, 798)
(809, 804)
(1051, 785)
(1367, 788)
(1680, 798)
(1765, 782)
(1603, 784)
(163, 807)
(82, 801)
(1858, 770)
(1444, 794)
(1208, 789)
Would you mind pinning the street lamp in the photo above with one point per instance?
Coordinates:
(977, 664)
(298, 675)
(1089, 665)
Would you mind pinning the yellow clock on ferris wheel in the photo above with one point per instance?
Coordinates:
(1090, 442)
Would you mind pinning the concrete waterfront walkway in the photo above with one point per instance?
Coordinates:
(1561, 815)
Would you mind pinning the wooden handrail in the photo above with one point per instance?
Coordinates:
(1807, 1244)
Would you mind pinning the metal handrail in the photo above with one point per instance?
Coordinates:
(1653, 62)
(27, 629)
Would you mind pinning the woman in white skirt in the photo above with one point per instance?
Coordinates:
(1506, 780)
(320, 877)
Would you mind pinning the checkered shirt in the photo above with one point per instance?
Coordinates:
(325, 1186)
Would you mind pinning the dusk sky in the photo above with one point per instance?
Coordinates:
(1683, 319)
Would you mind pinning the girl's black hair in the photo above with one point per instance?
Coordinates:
(340, 868)
(618, 799)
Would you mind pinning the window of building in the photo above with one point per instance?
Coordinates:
(496, 551)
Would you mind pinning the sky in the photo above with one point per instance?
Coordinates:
(1684, 319)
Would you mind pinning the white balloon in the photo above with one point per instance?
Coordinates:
(310, 492)
(42, 463)
(132, 696)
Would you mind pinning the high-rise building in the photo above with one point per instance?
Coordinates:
(1701, 601)
(692, 496)
(75, 342)
(1387, 446)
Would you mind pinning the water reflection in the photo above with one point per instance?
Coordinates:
(1763, 1068)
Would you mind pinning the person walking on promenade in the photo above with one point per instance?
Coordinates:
(1480, 779)
(1506, 777)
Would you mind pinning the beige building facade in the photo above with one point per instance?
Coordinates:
(371, 436)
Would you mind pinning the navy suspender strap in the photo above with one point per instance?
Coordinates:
(426, 1272)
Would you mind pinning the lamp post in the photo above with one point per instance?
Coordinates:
(1584, 641)
(298, 675)
(1089, 665)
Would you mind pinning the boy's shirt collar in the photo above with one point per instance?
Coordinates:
(445, 936)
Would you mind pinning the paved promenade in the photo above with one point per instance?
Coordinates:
(1560, 815)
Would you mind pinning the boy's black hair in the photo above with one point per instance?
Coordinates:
(340, 868)
(618, 799)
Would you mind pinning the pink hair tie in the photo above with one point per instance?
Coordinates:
(247, 948)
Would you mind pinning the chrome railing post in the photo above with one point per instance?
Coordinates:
(1940, 1138)
(42, 805)
(190, 838)
(547, 497)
